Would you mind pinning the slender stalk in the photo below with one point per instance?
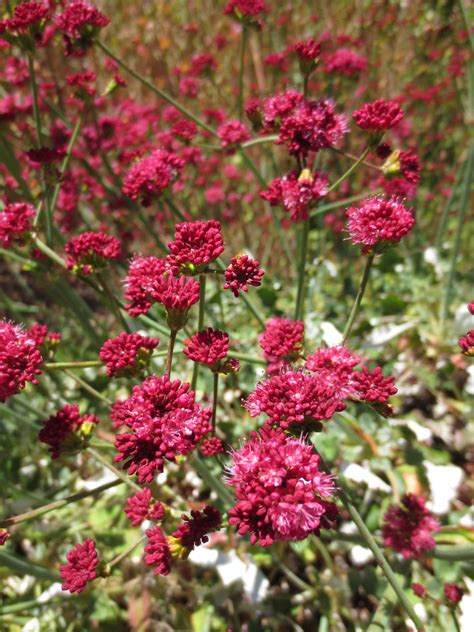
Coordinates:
(259, 141)
(246, 357)
(114, 304)
(447, 207)
(240, 96)
(202, 305)
(353, 198)
(303, 247)
(57, 504)
(46, 250)
(59, 366)
(169, 357)
(215, 394)
(88, 388)
(358, 299)
(66, 161)
(161, 93)
(248, 302)
(457, 627)
(178, 212)
(350, 171)
(36, 109)
(464, 203)
(118, 473)
(126, 553)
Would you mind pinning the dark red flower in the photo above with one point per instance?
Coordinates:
(419, 590)
(20, 359)
(157, 551)
(81, 567)
(282, 339)
(195, 245)
(67, 432)
(140, 283)
(297, 194)
(467, 343)
(242, 272)
(4, 535)
(151, 176)
(378, 116)
(308, 50)
(408, 528)
(80, 22)
(232, 133)
(90, 252)
(249, 8)
(127, 354)
(141, 506)
(212, 446)
(15, 223)
(193, 531)
(345, 61)
(209, 347)
(372, 386)
(453, 593)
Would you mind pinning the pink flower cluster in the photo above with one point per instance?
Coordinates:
(280, 491)
(208, 347)
(81, 567)
(466, 343)
(242, 272)
(163, 421)
(282, 341)
(26, 16)
(297, 194)
(308, 50)
(249, 8)
(127, 354)
(142, 506)
(80, 22)
(194, 529)
(195, 245)
(345, 61)
(67, 431)
(408, 528)
(15, 223)
(20, 359)
(378, 116)
(378, 222)
(151, 176)
(89, 252)
(232, 133)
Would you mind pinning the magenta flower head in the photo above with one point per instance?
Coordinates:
(127, 355)
(4, 536)
(280, 491)
(242, 272)
(20, 359)
(193, 531)
(231, 134)
(379, 222)
(177, 295)
(453, 593)
(297, 194)
(345, 61)
(246, 11)
(195, 245)
(408, 528)
(208, 347)
(163, 422)
(466, 343)
(89, 253)
(470, 307)
(378, 116)
(140, 283)
(308, 52)
(405, 163)
(157, 551)
(282, 340)
(334, 367)
(295, 397)
(80, 22)
(212, 446)
(419, 590)
(67, 432)
(26, 26)
(82, 567)
(151, 176)
(141, 506)
(15, 223)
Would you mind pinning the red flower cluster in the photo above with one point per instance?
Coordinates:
(164, 422)
(20, 359)
(15, 223)
(26, 16)
(80, 22)
(140, 283)
(89, 252)
(127, 354)
(334, 366)
(345, 61)
(157, 551)
(209, 347)
(151, 176)
(408, 528)
(280, 489)
(378, 116)
(141, 506)
(297, 194)
(282, 341)
(378, 222)
(67, 432)
(372, 386)
(308, 50)
(242, 272)
(193, 531)
(294, 397)
(195, 245)
(4, 536)
(41, 336)
(212, 446)
(81, 567)
(410, 166)
(232, 133)
(453, 593)
(249, 8)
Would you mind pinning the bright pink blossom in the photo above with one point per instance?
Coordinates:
(232, 133)
(151, 176)
(15, 223)
(90, 252)
(196, 244)
(453, 593)
(20, 359)
(194, 529)
(157, 551)
(80, 22)
(142, 506)
(378, 116)
(81, 567)
(282, 339)
(212, 446)
(297, 194)
(4, 536)
(242, 272)
(345, 61)
(127, 354)
(209, 347)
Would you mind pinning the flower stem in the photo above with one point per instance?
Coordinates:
(358, 299)
(303, 247)
(169, 357)
(125, 553)
(350, 171)
(259, 141)
(66, 161)
(36, 109)
(59, 366)
(246, 357)
(88, 388)
(248, 302)
(202, 305)
(215, 394)
(118, 473)
(114, 304)
(57, 504)
(240, 96)
(161, 93)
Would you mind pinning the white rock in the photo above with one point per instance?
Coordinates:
(359, 474)
(330, 334)
(444, 483)
(467, 607)
(421, 432)
(360, 555)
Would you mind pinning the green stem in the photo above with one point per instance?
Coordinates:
(303, 244)
(215, 393)
(202, 305)
(464, 203)
(125, 553)
(114, 304)
(176, 211)
(118, 473)
(214, 483)
(169, 357)
(246, 357)
(88, 388)
(259, 141)
(457, 627)
(36, 109)
(353, 198)
(57, 504)
(46, 250)
(350, 171)
(358, 299)
(66, 161)
(240, 96)
(161, 93)
(248, 302)
(58, 366)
